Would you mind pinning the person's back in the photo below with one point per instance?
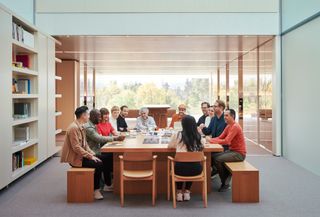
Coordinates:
(187, 140)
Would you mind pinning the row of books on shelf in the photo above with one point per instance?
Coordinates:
(22, 35)
(21, 85)
(19, 161)
(21, 110)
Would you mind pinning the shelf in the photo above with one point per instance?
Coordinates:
(58, 78)
(58, 113)
(16, 148)
(58, 131)
(24, 96)
(21, 47)
(21, 171)
(58, 60)
(24, 121)
(24, 71)
(58, 95)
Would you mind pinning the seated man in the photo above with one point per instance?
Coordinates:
(178, 117)
(95, 141)
(121, 120)
(217, 123)
(77, 152)
(234, 138)
(145, 122)
(205, 111)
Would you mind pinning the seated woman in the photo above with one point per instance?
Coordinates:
(105, 128)
(145, 122)
(209, 117)
(187, 140)
(115, 112)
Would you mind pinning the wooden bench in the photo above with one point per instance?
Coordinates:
(80, 185)
(245, 182)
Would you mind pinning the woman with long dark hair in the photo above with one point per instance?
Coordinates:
(187, 140)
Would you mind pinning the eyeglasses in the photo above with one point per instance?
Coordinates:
(181, 109)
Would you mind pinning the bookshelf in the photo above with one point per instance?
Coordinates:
(27, 70)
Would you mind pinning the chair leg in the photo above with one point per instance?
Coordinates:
(173, 193)
(153, 191)
(204, 194)
(168, 186)
(121, 192)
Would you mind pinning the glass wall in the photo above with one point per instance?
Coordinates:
(136, 90)
(250, 97)
(265, 95)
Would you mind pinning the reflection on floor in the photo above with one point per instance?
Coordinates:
(250, 129)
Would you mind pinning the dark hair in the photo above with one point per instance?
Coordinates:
(122, 107)
(232, 113)
(190, 135)
(203, 103)
(221, 103)
(94, 116)
(104, 111)
(80, 110)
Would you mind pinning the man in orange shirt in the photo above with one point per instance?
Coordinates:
(234, 138)
(178, 117)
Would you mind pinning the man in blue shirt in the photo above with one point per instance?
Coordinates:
(216, 127)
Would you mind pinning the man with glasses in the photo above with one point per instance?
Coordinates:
(176, 118)
(215, 129)
(204, 107)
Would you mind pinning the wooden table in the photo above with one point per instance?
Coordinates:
(161, 150)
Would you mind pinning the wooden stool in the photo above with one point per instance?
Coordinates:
(80, 185)
(245, 182)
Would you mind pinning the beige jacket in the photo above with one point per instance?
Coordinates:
(176, 143)
(75, 146)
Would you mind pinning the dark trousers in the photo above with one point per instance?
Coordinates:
(187, 169)
(105, 167)
(227, 156)
(213, 155)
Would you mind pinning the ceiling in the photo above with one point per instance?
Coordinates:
(127, 54)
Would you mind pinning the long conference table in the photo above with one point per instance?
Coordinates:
(137, 144)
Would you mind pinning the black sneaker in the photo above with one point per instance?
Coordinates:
(224, 188)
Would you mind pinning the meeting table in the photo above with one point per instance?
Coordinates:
(158, 145)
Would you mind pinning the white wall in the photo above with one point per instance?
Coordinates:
(23, 8)
(295, 11)
(301, 100)
(153, 17)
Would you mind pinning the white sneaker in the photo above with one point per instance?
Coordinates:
(179, 197)
(186, 196)
(98, 195)
(108, 188)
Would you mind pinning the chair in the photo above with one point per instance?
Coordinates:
(137, 175)
(186, 157)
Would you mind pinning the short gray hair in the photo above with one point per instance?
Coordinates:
(144, 109)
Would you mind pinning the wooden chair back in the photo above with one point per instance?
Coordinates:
(139, 157)
(189, 157)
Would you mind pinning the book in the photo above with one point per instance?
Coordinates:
(23, 86)
(24, 59)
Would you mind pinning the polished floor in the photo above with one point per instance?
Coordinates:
(287, 190)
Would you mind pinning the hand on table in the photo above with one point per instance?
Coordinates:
(208, 138)
(119, 138)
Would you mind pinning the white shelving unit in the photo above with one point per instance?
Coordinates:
(38, 71)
